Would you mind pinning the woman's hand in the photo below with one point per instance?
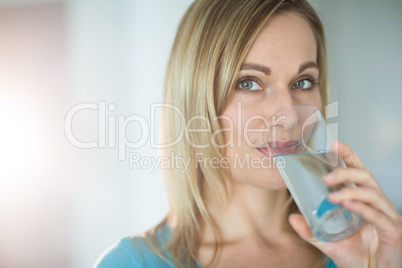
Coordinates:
(379, 242)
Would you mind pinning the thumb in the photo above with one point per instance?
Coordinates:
(299, 224)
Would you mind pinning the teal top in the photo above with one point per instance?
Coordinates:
(134, 252)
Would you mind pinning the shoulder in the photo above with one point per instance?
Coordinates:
(133, 251)
(121, 254)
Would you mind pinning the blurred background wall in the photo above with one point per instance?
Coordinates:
(62, 206)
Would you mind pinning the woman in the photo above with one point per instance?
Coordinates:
(232, 61)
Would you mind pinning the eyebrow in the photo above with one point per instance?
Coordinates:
(310, 64)
(267, 70)
(263, 69)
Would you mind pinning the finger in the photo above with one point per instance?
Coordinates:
(347, 154)
(300, 225)
(360, 176)
(369, 196)
(387, 226)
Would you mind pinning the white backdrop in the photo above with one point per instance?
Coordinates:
(72, 203)
(119, 52)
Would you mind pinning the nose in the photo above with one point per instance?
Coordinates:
(286, 116)
(285, 119)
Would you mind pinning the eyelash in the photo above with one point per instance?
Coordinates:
(313, 81)
(248, 78)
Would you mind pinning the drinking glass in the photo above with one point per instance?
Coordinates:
(299, 142)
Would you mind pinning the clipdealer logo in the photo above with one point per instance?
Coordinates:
(112, 128)
(112, 134)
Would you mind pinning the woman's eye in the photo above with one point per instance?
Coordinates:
(303, 84)
(249, 85)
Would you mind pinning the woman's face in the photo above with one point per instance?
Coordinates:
(279, 71)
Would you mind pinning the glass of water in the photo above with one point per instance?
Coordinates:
(299, 142)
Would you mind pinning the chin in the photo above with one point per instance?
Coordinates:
(273, 184)
(271, 180)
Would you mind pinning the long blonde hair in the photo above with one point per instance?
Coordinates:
(211, 43)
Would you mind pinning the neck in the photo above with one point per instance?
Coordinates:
(249, 212)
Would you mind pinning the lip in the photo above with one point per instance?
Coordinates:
(265, 151)
(279, 148)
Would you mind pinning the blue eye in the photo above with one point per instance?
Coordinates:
(304, 84)
(249, 85)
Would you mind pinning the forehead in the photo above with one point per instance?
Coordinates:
(284, 39)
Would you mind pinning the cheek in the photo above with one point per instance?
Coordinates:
(228, 125)
(313, 99)
(241, 125)
(317, 101)
(232, 124)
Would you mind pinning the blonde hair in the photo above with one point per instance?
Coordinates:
(211, 43)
